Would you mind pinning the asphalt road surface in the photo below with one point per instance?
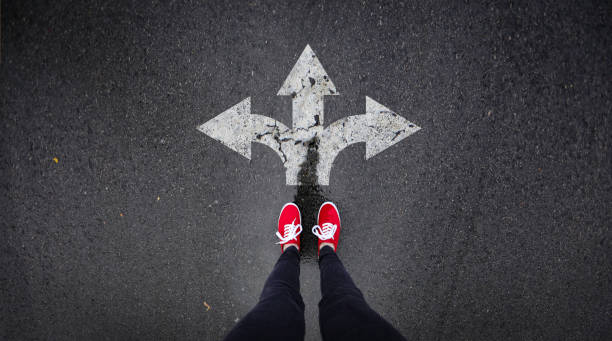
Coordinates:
(120, 220)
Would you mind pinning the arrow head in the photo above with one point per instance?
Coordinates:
(233, 128)
(386, 128)
(307, 73)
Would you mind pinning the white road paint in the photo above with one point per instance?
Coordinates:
(379, 128)
(307, 84)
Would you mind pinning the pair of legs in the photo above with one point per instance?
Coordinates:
(343, 311)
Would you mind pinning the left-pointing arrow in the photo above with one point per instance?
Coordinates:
(236, 128)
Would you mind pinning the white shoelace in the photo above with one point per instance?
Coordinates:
(326, 232)
(290, 232)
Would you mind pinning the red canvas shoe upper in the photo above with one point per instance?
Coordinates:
(328, 228)
(289, 225)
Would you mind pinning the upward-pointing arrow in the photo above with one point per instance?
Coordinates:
(307, 83)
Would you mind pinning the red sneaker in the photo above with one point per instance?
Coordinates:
(328, 229)
(289, 225)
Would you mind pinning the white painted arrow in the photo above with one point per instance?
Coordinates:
(236, 128)
(379, 128)
(308, 83)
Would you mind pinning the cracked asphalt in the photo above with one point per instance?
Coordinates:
(122, 221)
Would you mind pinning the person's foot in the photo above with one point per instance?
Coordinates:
(289, 226)
(328, 226)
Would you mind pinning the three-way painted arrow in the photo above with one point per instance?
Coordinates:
(307, 84)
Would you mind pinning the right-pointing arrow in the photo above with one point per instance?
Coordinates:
(379, 128)
(386, 128)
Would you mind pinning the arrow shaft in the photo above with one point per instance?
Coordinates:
(271, 133)
(308, 110)
(288, 144)
(336, 137)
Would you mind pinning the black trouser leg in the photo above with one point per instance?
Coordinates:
(279, 314)
(343, 312)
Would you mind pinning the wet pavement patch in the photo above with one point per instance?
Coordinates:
(309, 198)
